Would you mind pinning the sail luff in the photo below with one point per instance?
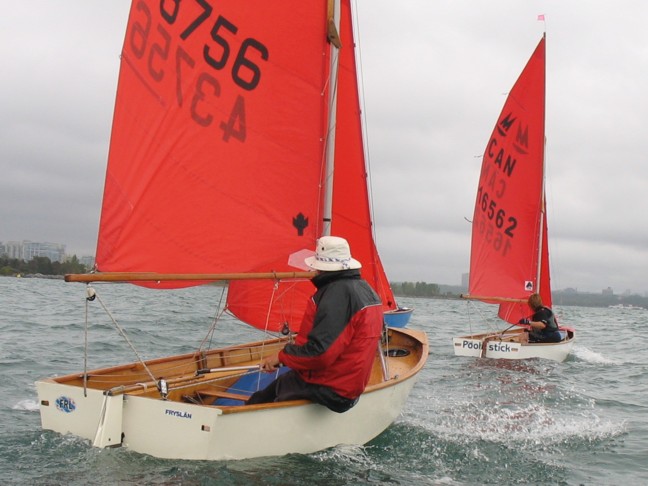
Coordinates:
(542, 280)
(543, 216)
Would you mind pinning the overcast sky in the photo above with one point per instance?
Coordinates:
(435, 77)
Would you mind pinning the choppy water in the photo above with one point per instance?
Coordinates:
(468, 421)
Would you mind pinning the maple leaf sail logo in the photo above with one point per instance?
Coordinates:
(301, 223)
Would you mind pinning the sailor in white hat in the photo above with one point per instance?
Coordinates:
(331, 359)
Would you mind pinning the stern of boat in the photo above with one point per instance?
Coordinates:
(69, 409)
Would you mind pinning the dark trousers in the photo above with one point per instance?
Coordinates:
(290, 386)
(545, 337)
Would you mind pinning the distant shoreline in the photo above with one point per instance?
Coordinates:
(632, 302)
(36, 275)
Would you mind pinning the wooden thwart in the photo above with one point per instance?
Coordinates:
(213, 394)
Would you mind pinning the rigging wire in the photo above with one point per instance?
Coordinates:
(363, 114)
(92, 295)
(209, 336)
(473, 306)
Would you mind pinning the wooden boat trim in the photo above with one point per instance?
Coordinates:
(191, 382)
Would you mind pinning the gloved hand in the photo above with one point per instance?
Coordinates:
(523, 321)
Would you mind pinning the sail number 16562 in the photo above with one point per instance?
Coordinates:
(498, 216)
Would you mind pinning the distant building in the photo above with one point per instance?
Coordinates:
(13, 249)
(54, 251)
(464, 280)
(27, 250)
(607, 291)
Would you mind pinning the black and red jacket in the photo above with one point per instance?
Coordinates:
(338, 339)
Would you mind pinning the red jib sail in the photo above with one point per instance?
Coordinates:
(509, 253)
(351, 204)
(281, 304)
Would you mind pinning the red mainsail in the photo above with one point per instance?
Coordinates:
(509, 253)
(217, 137)
(218, 146)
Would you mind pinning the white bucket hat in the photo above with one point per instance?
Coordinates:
(332, 254)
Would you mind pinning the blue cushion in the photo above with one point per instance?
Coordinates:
(247, 384)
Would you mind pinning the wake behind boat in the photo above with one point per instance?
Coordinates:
(509, 257)
(229, 121)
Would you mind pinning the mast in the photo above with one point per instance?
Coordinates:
(544, 159)
(333, 18)
(541, 229)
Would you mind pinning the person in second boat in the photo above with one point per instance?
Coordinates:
(331, 359)
(543, 326)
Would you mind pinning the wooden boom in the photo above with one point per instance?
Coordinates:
(159, 277)
(493, 299)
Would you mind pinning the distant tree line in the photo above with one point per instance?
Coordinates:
(416, 289)
(597, 300)
(560, 297)
(42, 265)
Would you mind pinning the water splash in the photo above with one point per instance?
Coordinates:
(27, 404)
(585, 354)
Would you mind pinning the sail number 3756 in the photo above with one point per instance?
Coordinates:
(154, 45)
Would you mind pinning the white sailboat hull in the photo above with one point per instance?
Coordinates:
(507, 346)
(176, 429)
(186, 431)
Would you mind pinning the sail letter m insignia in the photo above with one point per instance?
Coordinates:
(505, 124)
(522, 139)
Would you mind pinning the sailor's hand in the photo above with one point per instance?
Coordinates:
(270, 363)
(523, 321)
